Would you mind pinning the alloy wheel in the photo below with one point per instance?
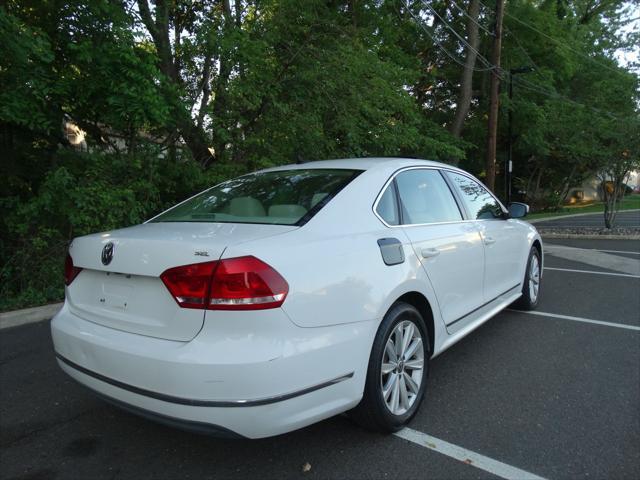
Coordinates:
(402, 367)
(534, 278)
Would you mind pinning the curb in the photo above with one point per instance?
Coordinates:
(573, 215)
(28, 315)
(571, 236)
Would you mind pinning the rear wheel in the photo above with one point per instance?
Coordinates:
(397, 373)
(532, 282)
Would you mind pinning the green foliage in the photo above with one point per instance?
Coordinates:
(26, 54)
(569, 109)
(310, 86)
(85, 193)
(172, 103)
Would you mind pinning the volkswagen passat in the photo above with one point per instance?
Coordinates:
(283, 297)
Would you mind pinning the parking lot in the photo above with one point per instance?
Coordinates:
(548, 394)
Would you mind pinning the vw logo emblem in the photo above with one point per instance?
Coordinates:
(107, 253)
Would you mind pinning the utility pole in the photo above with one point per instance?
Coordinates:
(508, 168)
(490, 163)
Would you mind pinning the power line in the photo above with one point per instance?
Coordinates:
(558, 96)
(486, 62)
(556, 41)
(524, 50)
(442, 47)
(464, 12)
(501, 73)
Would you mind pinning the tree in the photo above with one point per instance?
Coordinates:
(615, 171)
(576, 96)
(308, 73)
(71, 60)
(176, 95)
(612, 184)
(463, 100)
(494, 102)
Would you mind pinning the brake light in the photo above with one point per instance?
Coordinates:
(246, 283)
(70, 271)
(243, 283)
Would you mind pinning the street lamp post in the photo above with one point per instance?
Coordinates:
(508, 171)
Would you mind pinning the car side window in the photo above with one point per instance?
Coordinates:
(426, 198)
(477, 199)
(388, 206)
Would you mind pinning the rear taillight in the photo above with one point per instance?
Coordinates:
(246, 283)
(243, 283)
(70, 272)
(190, 284)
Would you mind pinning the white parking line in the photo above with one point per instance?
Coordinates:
(578, 319)
(592, 271)
(465, 456)
(615, 251)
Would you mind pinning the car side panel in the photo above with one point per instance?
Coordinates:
(456, 270)
(505, 244)
(333, 280)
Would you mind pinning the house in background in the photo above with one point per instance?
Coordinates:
(114, 141)
(591, 189)
(74, 134)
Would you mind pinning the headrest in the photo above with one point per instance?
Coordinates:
(287, 211)
(246, 207)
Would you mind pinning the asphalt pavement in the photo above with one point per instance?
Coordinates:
(553, 396)
(623, 219)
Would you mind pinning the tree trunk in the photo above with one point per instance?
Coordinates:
(613, 198)
(609, 202)
(463, 102)
(566, 186)
(490, 164)
(193, 135)
(195, 139)
(219, 104)
(530, 181)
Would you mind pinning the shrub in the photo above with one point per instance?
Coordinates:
(85, 193)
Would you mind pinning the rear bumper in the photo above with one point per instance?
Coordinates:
(187, 425)
(254, 374)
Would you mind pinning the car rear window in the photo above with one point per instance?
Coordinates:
(284, 197)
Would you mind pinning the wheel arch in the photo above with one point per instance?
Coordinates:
(537, 244)
(420, 302)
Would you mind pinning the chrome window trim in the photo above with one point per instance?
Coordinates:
(442, 169)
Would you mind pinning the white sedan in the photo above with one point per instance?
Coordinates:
(286, 296)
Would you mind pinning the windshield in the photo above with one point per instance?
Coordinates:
(286, 197)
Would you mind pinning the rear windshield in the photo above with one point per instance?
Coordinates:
(286, 197)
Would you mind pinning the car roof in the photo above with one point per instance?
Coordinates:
(362, 164)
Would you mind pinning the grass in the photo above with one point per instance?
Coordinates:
(629, 202)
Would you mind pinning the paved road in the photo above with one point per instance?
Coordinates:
(623, 219)
(621, 248)
(551, 396)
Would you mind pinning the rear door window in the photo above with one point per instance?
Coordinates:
(425, 198)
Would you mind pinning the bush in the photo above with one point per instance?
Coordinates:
(85, 193)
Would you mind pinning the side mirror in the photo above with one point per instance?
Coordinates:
(518, 210)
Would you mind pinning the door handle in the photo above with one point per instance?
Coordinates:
(489, 240)
(430, 252)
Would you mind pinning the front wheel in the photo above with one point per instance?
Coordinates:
(397, 372)
(532, 282)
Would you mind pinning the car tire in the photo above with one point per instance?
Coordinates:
(390, 413)
(532, 282)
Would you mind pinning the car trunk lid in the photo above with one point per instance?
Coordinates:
(128, 294)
